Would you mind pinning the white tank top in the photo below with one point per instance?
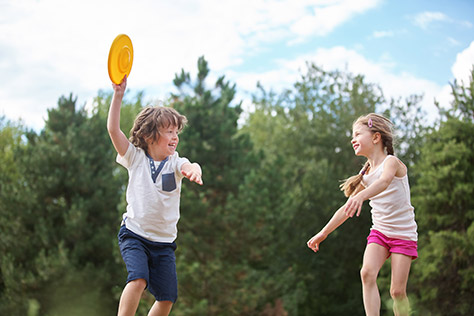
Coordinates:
(392, 212)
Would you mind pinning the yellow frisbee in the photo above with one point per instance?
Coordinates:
(120, 58)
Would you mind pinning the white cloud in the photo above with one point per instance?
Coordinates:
(49, 48)
(382, 34)
(453, 41)
(53, 47)
(327, 15)
(464, 63)
(461, 71)
(382, 72)
(47, 51)
(425, 19)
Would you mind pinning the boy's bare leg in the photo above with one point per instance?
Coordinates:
(160, 308)
(131, 297)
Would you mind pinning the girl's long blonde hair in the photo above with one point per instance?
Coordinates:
(377, 124)
(149, 121)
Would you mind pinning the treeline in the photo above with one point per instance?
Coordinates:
(271, 181)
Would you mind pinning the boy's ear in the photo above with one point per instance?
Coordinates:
(152, 138)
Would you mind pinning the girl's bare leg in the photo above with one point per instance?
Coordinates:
(400, 270)
(374, 257)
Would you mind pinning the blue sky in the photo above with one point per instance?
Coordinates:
(50, 48)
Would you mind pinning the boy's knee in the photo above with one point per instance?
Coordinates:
(368, 275)
(138, 284)
(166, 303)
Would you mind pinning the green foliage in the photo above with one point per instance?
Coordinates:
(444, 275)
(304, 135)
(13, 198)
(59, 215)
(212, 133)
(270, 182)
(411, 126)
(207, 266)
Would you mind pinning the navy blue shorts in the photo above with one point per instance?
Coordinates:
(153, 261)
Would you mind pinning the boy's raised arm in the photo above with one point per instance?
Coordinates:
(118, 138)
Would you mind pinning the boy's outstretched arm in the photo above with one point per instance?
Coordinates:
(118, 138)
(193, 172)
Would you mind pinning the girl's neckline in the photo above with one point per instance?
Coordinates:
(371, 172)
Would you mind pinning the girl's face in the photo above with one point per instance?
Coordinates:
(362, 140)
(167, 141)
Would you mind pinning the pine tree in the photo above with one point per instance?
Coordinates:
(207, 265)
(444, 273)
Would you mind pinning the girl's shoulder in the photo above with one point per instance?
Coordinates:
(402, 169)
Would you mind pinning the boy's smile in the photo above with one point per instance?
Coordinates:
(166, 144)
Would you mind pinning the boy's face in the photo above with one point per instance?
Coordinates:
(167, 141)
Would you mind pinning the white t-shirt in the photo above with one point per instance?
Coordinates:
(152, 207)
(392, 212)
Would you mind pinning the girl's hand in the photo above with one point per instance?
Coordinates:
(314, 242)
(353, 205)
(119, 89)
(192, 172)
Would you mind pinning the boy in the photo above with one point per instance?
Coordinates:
(148, 230)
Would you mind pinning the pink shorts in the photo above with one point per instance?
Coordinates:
(393, 245)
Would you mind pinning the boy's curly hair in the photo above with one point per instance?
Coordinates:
(149, 121)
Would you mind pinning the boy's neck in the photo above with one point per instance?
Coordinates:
(156, 154)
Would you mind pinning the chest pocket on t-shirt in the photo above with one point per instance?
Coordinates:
(168, 181)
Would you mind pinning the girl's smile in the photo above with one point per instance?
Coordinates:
(361, 139)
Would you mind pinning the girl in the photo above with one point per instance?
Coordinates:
(384, 181)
